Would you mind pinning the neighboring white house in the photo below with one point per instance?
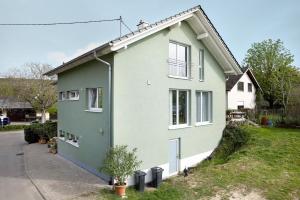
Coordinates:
(241, 90)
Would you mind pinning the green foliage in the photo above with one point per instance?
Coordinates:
(120, 163)
(47, 131)
(12, 127)
(271, 64)
(234, 137)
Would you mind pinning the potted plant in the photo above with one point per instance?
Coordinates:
(120, 163)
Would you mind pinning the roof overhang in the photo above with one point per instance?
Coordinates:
(198, 21)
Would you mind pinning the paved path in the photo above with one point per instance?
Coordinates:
(57, 178)
(14, 183)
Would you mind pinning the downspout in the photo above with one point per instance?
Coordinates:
(109, 97)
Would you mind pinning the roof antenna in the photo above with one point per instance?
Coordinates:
(126, 26)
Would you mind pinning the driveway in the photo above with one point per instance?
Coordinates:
(14, 183)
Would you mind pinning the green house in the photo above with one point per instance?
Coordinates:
(160, 89)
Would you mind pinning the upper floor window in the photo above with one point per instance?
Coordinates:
(204, 107)
(249, 87)
(178, 60)
(62, 96)
(73, 95)
(95, 96)
(240, 86)
(179, 108)
(201, 65)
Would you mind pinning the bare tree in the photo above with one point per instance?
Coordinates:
(32, 86)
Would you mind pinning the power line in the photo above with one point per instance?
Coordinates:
(60, 23)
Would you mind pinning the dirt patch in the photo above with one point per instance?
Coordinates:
(239, 194)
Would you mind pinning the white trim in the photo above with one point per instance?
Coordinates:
(179, 77)
(61, 138)
(203, 123)
(95, 110)
(193, 160)
(75, 144)
(202, 35)
(179, 126)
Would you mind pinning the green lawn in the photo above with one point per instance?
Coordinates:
(269, 165)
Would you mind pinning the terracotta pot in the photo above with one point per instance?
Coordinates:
(120, 190)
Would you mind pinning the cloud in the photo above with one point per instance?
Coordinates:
(60, 57)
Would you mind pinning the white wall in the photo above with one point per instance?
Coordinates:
(235, 97)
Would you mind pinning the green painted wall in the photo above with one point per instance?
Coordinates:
(73, 117)
(141, 111)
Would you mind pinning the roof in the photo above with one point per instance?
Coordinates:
(13, 103)
(233, 79)
(197, 19)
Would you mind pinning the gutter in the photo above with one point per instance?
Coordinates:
(109, 97)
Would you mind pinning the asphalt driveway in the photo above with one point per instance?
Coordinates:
(14, 183)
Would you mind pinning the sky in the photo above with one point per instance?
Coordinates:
(239, 22)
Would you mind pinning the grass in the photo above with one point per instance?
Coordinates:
(12, 127)
(269, 164)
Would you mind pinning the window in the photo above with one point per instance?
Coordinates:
(73, 95)
(204, 107)
(62, 96)
(179, 108)
(240, 86)
(95, 96)
(178, 60)
(249, 87)
(201, 65)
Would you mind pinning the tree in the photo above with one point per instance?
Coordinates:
(31, 85)
(271, 63)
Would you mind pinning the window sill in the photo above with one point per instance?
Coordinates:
(179, 77)
(75, 144)
(203, 123)
(73, 99)
(61, 138)
(95, 110)
(173, 127)
(201, 80)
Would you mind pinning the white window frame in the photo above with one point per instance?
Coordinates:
(62, 96)
(201, 65)
(96, 108)
(76, 92)
(177, 125)
(210, 105)
(188, 66)
(250, 84)
(238, 86)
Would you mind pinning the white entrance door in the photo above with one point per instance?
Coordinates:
(173, 156)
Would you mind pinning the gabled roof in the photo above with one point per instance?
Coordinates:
(233, 79)
(198, 21)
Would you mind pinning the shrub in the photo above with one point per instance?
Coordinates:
(120, 163)
(35, 131)
(30, 136)
(12, 127)
(233, 138)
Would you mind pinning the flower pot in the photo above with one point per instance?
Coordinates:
(42, 141)
(120, 190)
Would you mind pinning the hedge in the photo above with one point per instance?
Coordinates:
(12, 127)
(36, 131)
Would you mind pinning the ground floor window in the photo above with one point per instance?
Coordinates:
(204, 106)
(179, 107)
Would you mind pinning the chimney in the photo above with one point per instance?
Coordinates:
(142, 24)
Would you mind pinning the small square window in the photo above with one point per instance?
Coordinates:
(62, 96)
(240, 86)
(73, 95)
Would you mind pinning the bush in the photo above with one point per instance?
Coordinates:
(120, 163)
(288, 123)
(12, 127)
(233, 138)
(30, 136)
(36, 131)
